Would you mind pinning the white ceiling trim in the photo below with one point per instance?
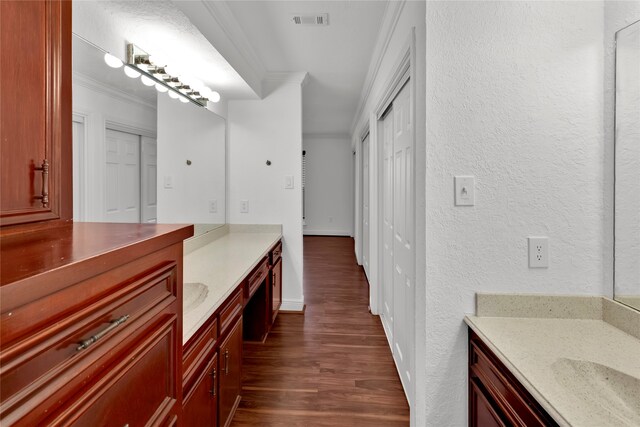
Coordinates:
(300, 77)
(390, 21)
(326, 136)
(90, 83)
(227, 37)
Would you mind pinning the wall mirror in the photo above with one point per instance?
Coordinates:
(627, 167)
(139, 154)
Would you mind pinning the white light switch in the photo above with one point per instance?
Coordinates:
(244, 206)
(288, 182)
(465, 190)
(168, 181)
(213, 206)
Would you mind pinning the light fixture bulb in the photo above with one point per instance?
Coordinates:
(112, 61)
(183, 100)
(173, 95)
(214, 97)
(147, 81)
(131, 72)
(197, 85)
(160, 88)
(171, 70)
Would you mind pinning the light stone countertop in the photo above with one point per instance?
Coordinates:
(546, 346)
(220, 265)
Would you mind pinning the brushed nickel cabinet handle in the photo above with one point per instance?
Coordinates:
(213, 383)
(93, 338)
(226, 362)
(45, 183)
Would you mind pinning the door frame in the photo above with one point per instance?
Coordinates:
(79, 155)
(404, 73)
(363, 134)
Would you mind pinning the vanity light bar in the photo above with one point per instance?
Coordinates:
(141, 60)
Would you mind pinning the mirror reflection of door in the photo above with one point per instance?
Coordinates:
(130, 177)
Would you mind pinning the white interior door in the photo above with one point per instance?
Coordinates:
(122, 202)
(403, 246)
(149, 180)
(365, 205)
(387, 225)
(78, 168)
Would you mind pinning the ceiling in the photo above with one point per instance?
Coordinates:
(336, 56)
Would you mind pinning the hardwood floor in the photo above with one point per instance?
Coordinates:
(330, 367)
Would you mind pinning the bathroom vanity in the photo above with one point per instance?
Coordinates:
(553, 360)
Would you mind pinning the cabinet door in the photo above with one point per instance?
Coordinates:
(276, 289)
(482, 413)
(230, 374)
(201, 406)
(35, 124)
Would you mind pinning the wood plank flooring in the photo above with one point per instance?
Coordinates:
(330, 367)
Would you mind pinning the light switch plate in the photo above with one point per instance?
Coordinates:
(213, 206)
(244, 206)
(288, 182)
(465, 188)
(168, 181)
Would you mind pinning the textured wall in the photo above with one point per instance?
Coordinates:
(329, 187)
(514, 97)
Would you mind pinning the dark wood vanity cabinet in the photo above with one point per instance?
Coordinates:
(275, 266)
(230, 373)
(35, 124)
(91, 325)
(496, 397)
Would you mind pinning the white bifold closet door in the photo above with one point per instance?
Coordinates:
(365, 205)
(397, 227)
(149, 180)
(122, 198)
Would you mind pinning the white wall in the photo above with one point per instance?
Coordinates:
(187, 132)
(270, 129)
(329, 186)
(514, 97)
(99, 105)
(402, 18)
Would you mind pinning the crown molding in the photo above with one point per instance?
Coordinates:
(97, 86)
(389, 22)
(299, 77)
(320, 135)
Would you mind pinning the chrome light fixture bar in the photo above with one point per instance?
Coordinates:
(142, 61)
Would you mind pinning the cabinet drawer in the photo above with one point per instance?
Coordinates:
(198, 349)
(44, 359)
(276, 253)
(257, 277)
(137, 390)
(513, 401)
(230, 310)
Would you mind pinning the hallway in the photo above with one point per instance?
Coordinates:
(330, 367)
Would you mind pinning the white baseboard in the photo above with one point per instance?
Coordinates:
(292, 305)
(327, 233)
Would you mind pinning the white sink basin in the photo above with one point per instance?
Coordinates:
(193, 294)
(613, 392)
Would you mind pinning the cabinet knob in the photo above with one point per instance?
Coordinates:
(44, 194)
(93, 338)
(226, 362)
(213, 382)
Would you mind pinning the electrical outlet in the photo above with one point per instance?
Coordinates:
(213, 206)
(244, 206)
(538, 252)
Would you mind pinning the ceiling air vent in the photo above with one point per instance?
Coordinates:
(316, 19)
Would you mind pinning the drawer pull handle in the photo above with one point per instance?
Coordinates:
(213, 383)
(44, 195)
(93, 338)
(226, 362)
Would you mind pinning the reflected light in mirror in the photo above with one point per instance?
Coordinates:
(160, 88)
(112, 61)
(147, 81)
(183, 100)
(131, 72)
(173, 95)
(214, 97)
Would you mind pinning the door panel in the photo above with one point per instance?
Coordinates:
(387, 224)
(149, 180)
(122, 177)
(365, 205)
(403, 279)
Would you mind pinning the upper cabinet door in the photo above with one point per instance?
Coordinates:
(35, 111)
